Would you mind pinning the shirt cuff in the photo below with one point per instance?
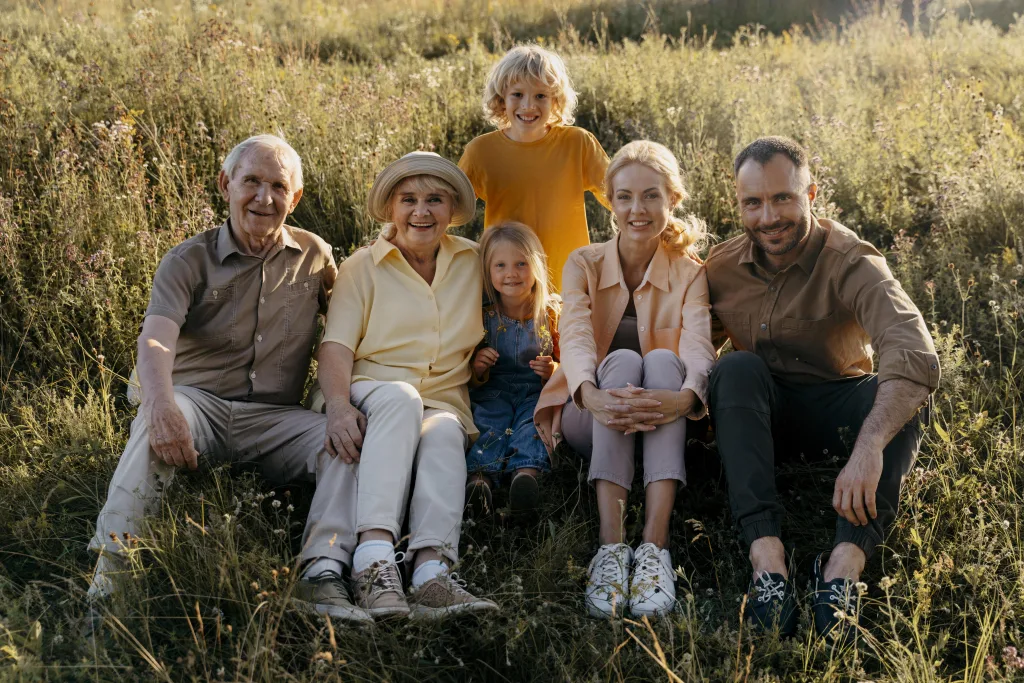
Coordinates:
(699, 385)
(920, 367)
(165, 312)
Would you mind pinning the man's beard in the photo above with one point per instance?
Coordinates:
(803, 226)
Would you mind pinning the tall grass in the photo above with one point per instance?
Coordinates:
(113, 122)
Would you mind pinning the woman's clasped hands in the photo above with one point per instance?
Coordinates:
(633, 409)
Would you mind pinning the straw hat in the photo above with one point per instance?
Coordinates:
(422, 163)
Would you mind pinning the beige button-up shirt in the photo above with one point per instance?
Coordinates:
(672, 312)
(248, 324)
(399, 328)
(821, 318)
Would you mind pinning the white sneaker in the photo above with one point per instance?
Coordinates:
(608, 583)
(654, 582)
(102, 585)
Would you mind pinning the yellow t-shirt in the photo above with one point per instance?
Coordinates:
(540, 184)
(401, 329)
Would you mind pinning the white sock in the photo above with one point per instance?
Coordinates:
(369, 552)
(427, 571)
(321, 565)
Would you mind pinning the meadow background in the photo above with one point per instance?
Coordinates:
(114, 118)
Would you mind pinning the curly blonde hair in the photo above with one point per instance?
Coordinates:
(686, 234)
(526, 63)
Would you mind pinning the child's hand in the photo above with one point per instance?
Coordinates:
(483, 360)
(543, 366)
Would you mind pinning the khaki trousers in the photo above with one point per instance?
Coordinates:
(411, 458)
(286, 443)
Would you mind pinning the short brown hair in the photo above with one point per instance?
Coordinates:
(763, 149)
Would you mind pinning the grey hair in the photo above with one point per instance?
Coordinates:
(285, 154)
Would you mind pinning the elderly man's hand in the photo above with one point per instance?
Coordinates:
(346, 425)
(170, 436)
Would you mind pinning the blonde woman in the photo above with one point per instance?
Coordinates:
(536, 167)
(519, 356)
(394, 364)
(636, 352)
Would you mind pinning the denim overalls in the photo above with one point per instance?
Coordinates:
(503, 406)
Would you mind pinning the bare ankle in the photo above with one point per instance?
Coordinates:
(846, 562)
(767, 554)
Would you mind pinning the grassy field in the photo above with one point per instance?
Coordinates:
(113, 121)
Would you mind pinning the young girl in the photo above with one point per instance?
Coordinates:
(519, 355)
(535, 168)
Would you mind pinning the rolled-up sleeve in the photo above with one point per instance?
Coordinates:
(576, 329)
(348, 311)
(882, 307)
(173, 284)
(695, 348)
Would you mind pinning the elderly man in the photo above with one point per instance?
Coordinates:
(804, 301)
(222, 360)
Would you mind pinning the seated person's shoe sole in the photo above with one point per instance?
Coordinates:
(524, 494)
(350, 614)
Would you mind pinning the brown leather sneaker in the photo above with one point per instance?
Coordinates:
(444, 596)
(326, 593)
(378, 590)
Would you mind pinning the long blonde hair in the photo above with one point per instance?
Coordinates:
(526, 241)
(529, 63)
(686, 234)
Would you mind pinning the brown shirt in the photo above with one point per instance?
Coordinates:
(820, 318)
(247, 323)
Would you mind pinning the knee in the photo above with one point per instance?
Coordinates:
(663, 369)
(737, 370)
(619, 368)
(398, 399)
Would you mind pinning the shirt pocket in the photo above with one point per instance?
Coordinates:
(667, 338)
(809, 341)
(737, 326)
(212, 314)
(302, 304)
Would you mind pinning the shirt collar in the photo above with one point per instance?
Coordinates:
(226, 244)
(815, 243)
(611, 269)
(448, 248)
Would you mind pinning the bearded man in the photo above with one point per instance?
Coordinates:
(805, 302)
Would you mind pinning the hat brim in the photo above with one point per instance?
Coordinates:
(422, 163)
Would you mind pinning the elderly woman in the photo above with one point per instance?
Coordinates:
(636, 351)
(393, 367)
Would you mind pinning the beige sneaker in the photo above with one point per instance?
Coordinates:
(378, 590)
(445, 595)
(326, 593)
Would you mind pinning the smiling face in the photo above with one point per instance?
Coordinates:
(510, 273)
(528, 110)
(260, 196)
(421, 212)
(775, 207)
(641, 203)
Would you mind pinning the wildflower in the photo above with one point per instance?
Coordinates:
(508, 431)
(861, 587)
(275, 504)
(1006, 524)
(886, 583)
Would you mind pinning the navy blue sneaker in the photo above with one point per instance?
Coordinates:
(771, 604)
(836, 608)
